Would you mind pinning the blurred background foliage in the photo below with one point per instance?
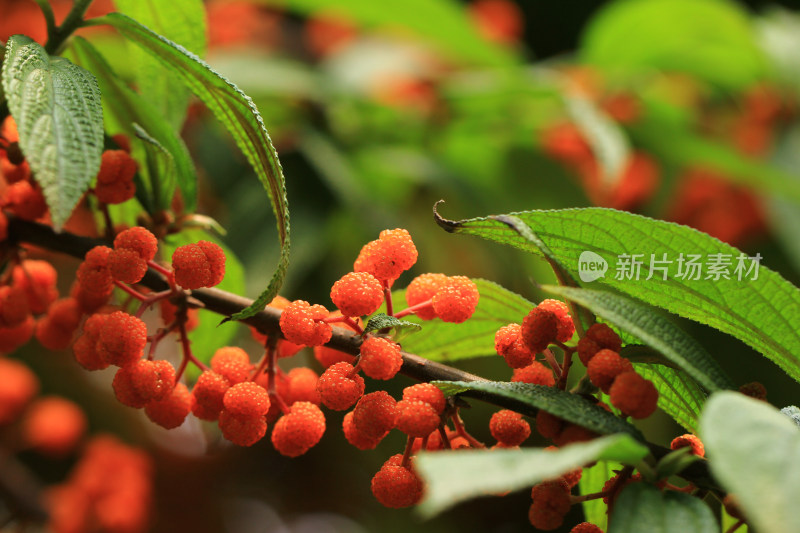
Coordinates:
(683, 110)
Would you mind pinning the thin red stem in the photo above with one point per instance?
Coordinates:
(158, 337)
(186, 346)
(445, 439)
(735, 526)
(462, 432)
(150, 300)
(167, 272)
(413, 309)
(387, 297)
(551, 360)
(405, 462)
(587, 497)
(562, 381)
(133, 292)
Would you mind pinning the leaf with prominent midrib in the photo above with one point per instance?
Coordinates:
(643, 507)
(762, 312)
(530, 398)
(457, 475)
(56, 105)
(237, 112)
(678, 394)
(646, 325)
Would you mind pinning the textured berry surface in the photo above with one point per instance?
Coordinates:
(94, 275)
(56, 330)
(301, 386)
(606, 365)
(423, 288)
(396, 487)
(566, 328)
(138, 239)
(38, 279)
(573, 433)
(115, 178)
(339, 388)
(14, 307)
(508, 343)
(380, 358)
(416, 418)
(198, 265)
(299, 430)
(551, 502)
(300, 324)
(549, 426)
(535, 373)
(457, 300)
(122, 339)
(85, 347)
(375, 414)
(755, 390)
(242, 431)
(53, 426)
(598, 337)
(539, 329)
(355, 437)
(25, 200)
(170, 412)
(153, 380)
(428, 393)
(246, 400)
(124, 390)
(357, 294)
(126, 266)
(633, 395)
(18, 385)
(690, 441)
(389, 256)
(232, 363)
(208, 394)
(586, 527)
(509, 428)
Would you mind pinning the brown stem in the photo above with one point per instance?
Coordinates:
(387, 297)
(407, 452)
(462, 432)
(735, 526)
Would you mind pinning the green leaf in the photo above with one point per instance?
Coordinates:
(383, 321)
(762, 312)
(209, 335)
(56, 105)
(591, 482)
(754, 453)
(656, 331)
(530, 398)
(443, 341)
(455, 476)
(161, 165)
(675, 462)
(643, 507)
(442, 23)
(124, 108)
(711, 40)
(678, 394)
(238, 114)
(182, 22)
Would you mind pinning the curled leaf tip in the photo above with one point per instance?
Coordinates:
(446, 224)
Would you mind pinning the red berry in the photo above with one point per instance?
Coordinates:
(208, 394)
(301, 386)
(755, 390)
(573, 433)
(169, 313)
(18, 385)
(285, 348)
(14, 308)
(428, 393)
(423, 288)
(126, 266)
(13, 338)
(198, 265)
(124, 390)
(551, 502)
(606, 365)
(416, 418)
(357, 294)
(122, 339)
(55, 330)
(539, 329)
(375, 414)
(549, 426)
(232, 363)
(691, 441)
(298, 431)
(535, 373)
(301, 323)
(585, 527)
(242, 431)
(597, 337)
(38, 279)
(25, 200)
(339, 387)
(396, 487)
(115, 178)
(355, 437)
(85, 347)
(508, 343)
(509, 428)
(499, 21)
(456, 301)
(380, 358)
(246, 400)
(53, 426)
(153, 380)
(94, 274)
(633, 395)
(389, 256)
(170, 412)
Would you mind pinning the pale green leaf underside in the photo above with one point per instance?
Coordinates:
(455, 476)
(656, 331)
(442, 341)
(237, 112)
(754, 452)
(643, 507)
(56, 105)
(570, 407)
(763, 313)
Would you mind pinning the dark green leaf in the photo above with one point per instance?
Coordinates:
(762, 312)
(641, 321)
(238, 114)
(383, 321)
(675, 462)
(643, 507)
(531, 398)
(182, 22)
(454, 476)
(124, 107)
(754, 452)
(160, 164)
(56, 105)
